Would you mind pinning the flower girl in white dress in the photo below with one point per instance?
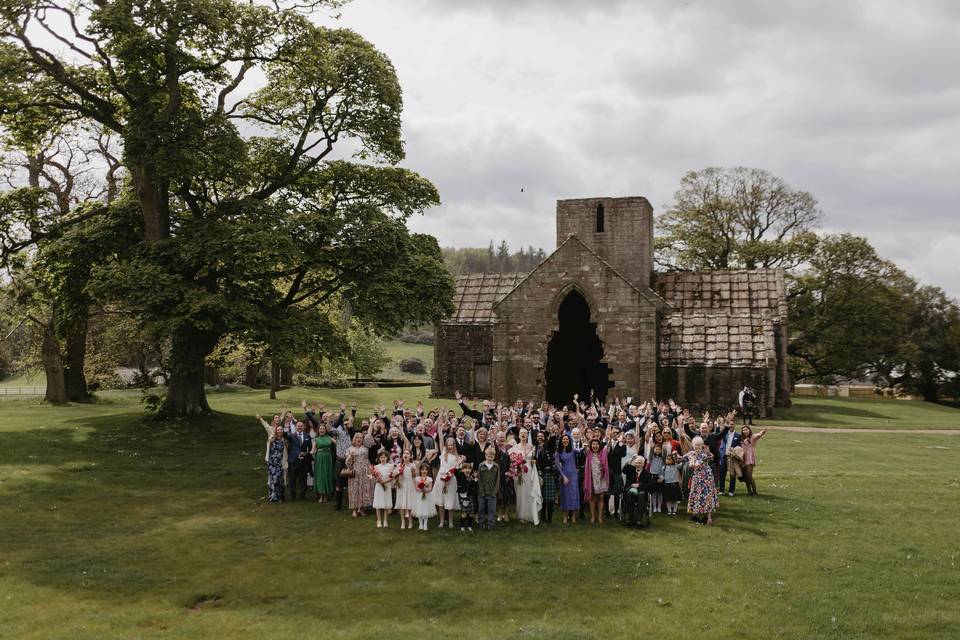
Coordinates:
(406, 490)
(383, 475)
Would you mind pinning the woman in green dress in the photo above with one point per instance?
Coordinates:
(323, 447)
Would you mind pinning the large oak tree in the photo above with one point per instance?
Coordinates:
(229, 114)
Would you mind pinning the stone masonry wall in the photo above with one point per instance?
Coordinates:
(626, 243)
(457, 348)
(716, 388)
(626, 320)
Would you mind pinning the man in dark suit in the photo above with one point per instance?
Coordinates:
(729, 439)
(299, 444)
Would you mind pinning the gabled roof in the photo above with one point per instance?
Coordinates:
(573, 240)
(477, 294)
(733, 291)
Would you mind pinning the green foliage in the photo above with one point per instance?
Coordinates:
(467, 260)
(846, 314)
(929, 354)
(730, 218)
(366, 354)
(242, 234)
(854, 314)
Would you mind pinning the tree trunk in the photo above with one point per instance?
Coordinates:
(53, 368)
(76, 348)
(930, 391)
(189, 348)
(211, 375)
(286, 375)
(250, 375)
(154, 203)
(274, 379)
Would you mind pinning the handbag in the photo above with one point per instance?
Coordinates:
(347, 473)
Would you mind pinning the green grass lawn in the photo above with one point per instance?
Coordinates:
(116, 526)
(398, 351)
(867, 413)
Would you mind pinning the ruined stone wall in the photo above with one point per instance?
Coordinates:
(726, 329)
(626, 242)
(625, 318)
(716, 389)
(460, 351)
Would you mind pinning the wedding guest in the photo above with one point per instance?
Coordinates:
(749, 443)
(324, 449)
(356, 469)
(596, 479)
(423, 506)
(703, 500)
(382, 475)
(445, 486)
(671, 483)
(467, 495)
(488, 486)
(276, 458)
(526, 481)
(405, 489)
(507, 497)
(566, 464)
(544, 457)
(299, 445)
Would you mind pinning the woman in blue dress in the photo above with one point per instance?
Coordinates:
(276, 458)
(566, 464)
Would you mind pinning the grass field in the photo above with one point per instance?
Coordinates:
(398, 351)
(867, 413)
(116, 526)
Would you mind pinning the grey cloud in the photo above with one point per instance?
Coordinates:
(856, 102)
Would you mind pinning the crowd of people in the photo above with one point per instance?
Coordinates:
(622, 459)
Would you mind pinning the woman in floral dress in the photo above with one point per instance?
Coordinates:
(359, 487)
(703, 499)
(276, 458)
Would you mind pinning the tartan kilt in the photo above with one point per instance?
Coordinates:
(549, 486)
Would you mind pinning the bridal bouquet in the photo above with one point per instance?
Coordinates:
(518, 467)
(375, 473)
(447, 477)
(398, 474)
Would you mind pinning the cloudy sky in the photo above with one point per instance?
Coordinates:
(856, 102)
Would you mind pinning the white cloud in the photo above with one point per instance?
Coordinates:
(856, 102)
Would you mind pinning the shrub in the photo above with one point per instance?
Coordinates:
(413, 365)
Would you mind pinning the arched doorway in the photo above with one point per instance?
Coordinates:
(575, 355)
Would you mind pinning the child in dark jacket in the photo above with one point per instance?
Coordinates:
(488, 485)
(467, 495)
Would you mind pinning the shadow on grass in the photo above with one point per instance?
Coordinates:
(123, 509)
(829, 417)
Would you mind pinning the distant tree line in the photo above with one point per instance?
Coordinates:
(465, 260)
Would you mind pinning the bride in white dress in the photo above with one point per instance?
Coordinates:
(529, 498)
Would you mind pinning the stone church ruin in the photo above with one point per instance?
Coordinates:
(594, 315)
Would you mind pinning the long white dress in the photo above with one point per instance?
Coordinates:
(448, 499)
(423, 507)
(529, 498)
(406, 488)
(382, 496)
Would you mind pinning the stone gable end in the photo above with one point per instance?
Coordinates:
(625, 318)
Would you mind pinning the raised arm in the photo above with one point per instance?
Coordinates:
(266, 425)
(467, 411)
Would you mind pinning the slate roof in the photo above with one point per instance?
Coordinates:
(477, 293)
